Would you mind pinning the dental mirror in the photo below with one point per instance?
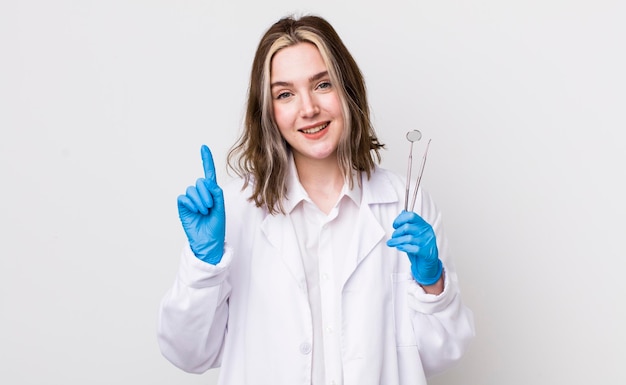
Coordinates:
(413, 136)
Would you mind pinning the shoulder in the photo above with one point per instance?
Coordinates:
(235, 194)
(239, 208)
(386, 186)
(232, 186)
(386, 176)
(383, 186)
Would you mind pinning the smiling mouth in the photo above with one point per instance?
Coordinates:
(314, 129)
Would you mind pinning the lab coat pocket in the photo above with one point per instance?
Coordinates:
(410, 370)
(405, 335)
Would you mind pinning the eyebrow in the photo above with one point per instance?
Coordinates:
(311, 80)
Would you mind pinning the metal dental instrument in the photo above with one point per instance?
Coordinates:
(414, 136)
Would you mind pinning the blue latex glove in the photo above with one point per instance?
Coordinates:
(416, 237)
(201, 211)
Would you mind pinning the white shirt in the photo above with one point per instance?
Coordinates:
(323, 241)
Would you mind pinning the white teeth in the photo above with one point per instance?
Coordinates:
(315, 129)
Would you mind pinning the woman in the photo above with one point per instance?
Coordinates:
(306, 270)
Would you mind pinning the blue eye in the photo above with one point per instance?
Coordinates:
(324, 85)
(283, 95)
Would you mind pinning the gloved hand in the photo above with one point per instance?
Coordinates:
(201, 211)
(416, 237)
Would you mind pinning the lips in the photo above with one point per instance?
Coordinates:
(314, 130)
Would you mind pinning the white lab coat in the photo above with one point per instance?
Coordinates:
(250, 313)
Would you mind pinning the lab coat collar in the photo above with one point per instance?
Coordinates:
(369, 232)
(296, 192)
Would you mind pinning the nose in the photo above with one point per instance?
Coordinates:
(309, 106)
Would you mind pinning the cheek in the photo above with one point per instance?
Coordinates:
(333, 105)
(283, 117)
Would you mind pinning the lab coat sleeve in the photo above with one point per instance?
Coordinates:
(194, 312)
(443, 325)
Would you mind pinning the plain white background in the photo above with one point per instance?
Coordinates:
(104, 106)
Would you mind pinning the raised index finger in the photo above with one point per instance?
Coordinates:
(208, 164)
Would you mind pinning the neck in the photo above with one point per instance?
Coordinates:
(322, 180)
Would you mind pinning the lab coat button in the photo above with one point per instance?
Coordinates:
(305, 348)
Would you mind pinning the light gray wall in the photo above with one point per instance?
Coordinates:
(104, 106)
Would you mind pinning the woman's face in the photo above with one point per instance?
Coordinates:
(306, 104)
